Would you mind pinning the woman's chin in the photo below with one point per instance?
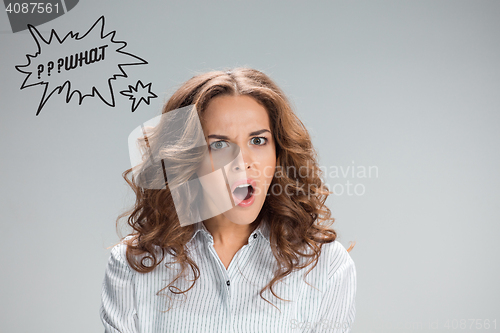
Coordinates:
(240, 218)
(243, 215)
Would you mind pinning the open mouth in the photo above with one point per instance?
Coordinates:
(243, 192)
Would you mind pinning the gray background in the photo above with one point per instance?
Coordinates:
(411, 87)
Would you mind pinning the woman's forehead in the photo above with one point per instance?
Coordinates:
(235, 113)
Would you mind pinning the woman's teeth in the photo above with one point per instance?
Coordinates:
(243, 191)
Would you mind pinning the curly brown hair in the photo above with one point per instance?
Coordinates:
(299, 223)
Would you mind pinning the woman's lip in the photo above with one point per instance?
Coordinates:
(243, 181)
(248, 202)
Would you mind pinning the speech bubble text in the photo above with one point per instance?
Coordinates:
(73, 61)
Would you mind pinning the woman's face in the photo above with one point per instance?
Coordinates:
(241, 147)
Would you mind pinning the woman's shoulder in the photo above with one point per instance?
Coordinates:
(337, 258)
(118, 253)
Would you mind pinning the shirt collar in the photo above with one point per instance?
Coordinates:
(262, 230)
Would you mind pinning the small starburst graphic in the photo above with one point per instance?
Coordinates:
(138, 94)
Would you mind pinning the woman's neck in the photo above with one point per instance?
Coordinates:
(228, 234)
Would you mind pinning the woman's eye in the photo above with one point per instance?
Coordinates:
(259, 141)
(218, 145)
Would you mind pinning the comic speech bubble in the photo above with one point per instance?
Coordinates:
(139, 94)
(84, 65)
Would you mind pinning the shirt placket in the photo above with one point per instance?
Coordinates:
(223, 278)
(228, 275)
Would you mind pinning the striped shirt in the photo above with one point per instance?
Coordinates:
(228, 300)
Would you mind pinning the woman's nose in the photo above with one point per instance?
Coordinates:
(243, 166)
(241, 163)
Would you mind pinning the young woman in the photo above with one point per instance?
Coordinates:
(230, 228)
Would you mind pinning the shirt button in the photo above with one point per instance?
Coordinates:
(227, 282)
(254, 235)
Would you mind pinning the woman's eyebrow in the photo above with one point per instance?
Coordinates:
(223, 137)
(259, 132)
